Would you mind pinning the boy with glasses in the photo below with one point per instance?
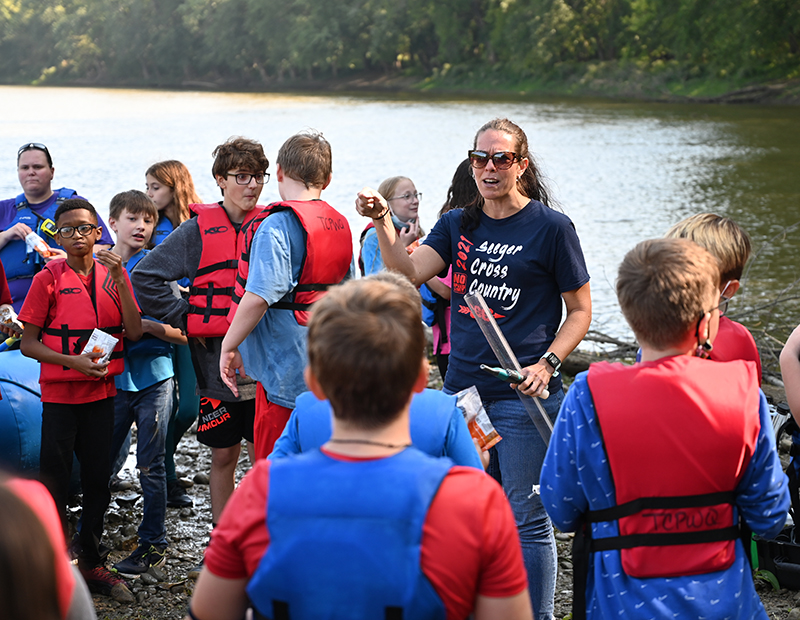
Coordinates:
(204, 250)
(68, 300)
(33, 210)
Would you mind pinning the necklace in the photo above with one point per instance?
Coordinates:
(368, 442)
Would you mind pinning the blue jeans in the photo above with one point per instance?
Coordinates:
(150, 409)
(519, 458)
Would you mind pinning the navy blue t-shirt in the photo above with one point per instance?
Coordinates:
(520, 264)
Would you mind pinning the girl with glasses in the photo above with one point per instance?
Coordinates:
(525, 259)
(403, 199)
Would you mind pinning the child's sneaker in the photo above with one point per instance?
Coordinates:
(102, 581)
(142, 559)
(177, 497)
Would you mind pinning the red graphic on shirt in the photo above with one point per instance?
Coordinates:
(466, 310)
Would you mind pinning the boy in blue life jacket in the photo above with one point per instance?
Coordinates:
(67, 301)
(145, 387)
(365, 526)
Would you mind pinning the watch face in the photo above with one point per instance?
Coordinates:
(553, 360)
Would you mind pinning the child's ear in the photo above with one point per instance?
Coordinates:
(112, 224)
(313, 384)
(422, 379)
(732, 287)
(279, 173)
(328, 182)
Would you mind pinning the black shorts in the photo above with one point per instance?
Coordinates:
(222, 424)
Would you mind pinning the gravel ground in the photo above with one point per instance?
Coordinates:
(163, 594)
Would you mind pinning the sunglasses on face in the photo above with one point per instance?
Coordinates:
(68, 231)
(502, 160)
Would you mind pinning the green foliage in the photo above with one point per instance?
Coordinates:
(250, 43)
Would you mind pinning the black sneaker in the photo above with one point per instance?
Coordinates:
(102, 581)
(177, 497)
(142, 558)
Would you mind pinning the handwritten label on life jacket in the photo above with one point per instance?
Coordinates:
(328, 223)
(683, 520)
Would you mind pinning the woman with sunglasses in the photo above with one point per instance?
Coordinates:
(524, 258)
(403, 199)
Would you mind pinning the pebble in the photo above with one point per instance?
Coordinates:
(158, 573)
(563, 537)
(148, 579)
(794, 614)
(142, 597)
(201, 478)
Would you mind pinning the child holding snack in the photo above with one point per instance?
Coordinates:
(145, 387)
(69, 300)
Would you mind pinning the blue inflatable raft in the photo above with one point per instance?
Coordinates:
(20, 413)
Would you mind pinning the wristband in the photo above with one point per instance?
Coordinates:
(382, 215)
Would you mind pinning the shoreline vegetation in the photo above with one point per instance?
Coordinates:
(604, 81)
(731, 51)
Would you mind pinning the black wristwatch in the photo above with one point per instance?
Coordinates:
(552, 359)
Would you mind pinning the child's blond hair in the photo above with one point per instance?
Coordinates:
(724, 238)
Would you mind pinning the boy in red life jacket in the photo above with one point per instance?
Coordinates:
(301, 246)
(654, 464)
(366, 526)
(68, 299)
(204, 250)
(729, 243)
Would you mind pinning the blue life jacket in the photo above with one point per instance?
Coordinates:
(17, 262)
(162, 229)
(346, 538)
(429, 418)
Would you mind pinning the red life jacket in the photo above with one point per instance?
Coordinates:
(326, 260)
(213, 285)
(77, 316)
(679, 434)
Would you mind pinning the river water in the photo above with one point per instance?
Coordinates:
(622, 171)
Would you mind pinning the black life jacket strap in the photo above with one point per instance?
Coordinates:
(659, 503)
(280, 611)
(664, 540)
(290, 305)
(226, 264)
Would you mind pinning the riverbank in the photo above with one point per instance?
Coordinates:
(613, 80)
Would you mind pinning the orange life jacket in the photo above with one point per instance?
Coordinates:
(213, 285)
(326, 260)
(77, 315)
(679, 434)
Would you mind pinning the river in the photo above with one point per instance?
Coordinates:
(622, 171)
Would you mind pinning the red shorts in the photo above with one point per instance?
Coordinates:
(270, 422)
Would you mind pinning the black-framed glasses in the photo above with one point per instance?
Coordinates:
(502, 160)
(408, 197)
(242, 178)
(36, 146)
(68, 231)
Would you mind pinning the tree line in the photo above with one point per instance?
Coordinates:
(254, 43)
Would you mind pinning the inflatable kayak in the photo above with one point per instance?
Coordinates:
(20, 413)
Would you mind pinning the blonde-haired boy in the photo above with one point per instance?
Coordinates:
(730, 244)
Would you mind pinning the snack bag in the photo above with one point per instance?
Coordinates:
(100, 343)
(478, 422)
(36, 243)
(9, 317)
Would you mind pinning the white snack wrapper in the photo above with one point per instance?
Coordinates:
(36, 244)
(102, 344)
